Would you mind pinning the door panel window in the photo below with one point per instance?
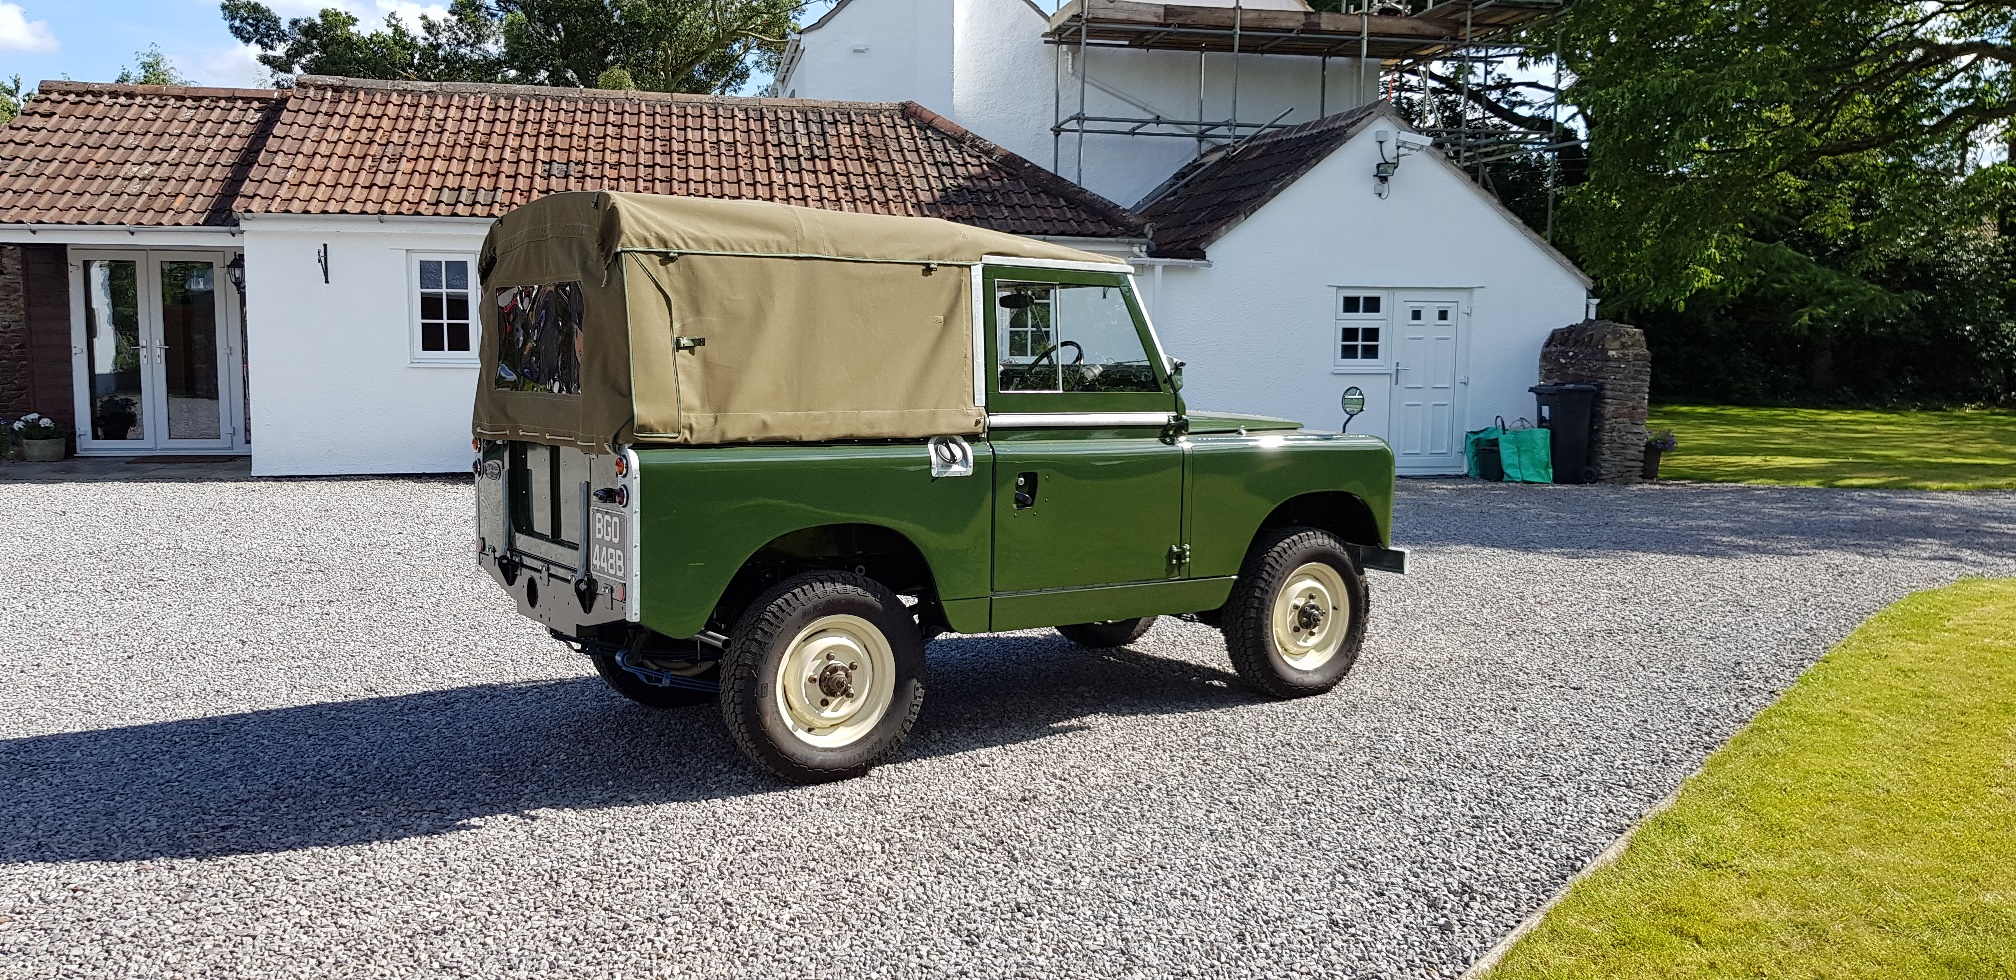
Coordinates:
(189, 350)
(1061, 337)
(114, 353)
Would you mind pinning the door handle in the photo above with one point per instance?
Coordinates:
(1396, 372)
(1025, 491)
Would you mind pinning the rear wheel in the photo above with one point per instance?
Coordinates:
(1114, 633)
(823, 677)
(1296, 618)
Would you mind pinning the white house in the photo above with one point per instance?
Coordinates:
(290, 274)
(1283, 269)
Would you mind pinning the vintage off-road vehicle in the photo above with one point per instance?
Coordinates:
(760, 454)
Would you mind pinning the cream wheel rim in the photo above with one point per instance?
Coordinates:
(837, 681)
(1312, 615)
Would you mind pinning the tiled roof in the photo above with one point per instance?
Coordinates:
(153, 155)
(345, 146)
(84, 154)
(1202, 201)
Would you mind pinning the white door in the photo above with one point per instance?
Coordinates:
(1424, 427)
(156, 352)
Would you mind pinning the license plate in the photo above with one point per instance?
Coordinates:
(609, 544)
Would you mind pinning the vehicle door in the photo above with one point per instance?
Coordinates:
(1088, 477)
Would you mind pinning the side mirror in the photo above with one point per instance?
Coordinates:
(1354, 404)
(1176, 374)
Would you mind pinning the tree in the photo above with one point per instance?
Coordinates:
(151, 68)
(661, 45)
(460, 48)
(11, 99)
(1736, 142)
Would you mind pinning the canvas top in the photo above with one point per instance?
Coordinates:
(614, 319)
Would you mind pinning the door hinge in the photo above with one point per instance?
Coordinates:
(688, 343)
(1179, 554)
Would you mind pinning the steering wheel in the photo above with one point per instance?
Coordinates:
(1052, 353)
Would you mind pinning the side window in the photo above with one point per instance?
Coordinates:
(1066, 337)
(444, 307)
(1361, 327)
(539, 338)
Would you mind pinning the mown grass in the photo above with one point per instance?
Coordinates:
(1950, 450)
(1864, 826)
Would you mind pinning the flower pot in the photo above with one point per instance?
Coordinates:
(42, 450)
(1652, 454)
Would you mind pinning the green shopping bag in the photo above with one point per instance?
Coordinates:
(1528, 455)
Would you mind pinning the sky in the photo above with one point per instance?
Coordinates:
(91, 40)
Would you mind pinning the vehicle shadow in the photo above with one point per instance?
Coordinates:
(391, 768)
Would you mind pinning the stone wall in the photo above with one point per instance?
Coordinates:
(1614, 356)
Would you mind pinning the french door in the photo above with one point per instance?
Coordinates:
(158, 348)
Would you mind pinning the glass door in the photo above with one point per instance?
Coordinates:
(155, 352)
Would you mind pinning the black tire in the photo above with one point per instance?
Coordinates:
(1249, 614)
(645, 693)
(1102, 636)
(759, 718)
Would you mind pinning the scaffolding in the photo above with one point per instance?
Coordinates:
(1401, 39)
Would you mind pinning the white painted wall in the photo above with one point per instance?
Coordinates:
(1256, 326)
(880, 51)
(983, 63)
(333, 385)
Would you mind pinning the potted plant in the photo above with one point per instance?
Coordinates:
(41, 438)
(1657, 444)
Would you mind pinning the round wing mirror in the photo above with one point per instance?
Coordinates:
(1354, 404)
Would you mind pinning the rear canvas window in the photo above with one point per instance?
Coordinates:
(539, 338)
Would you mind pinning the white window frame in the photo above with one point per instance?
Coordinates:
(427, 358)
(1383, 320)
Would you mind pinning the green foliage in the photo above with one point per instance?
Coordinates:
(1782, 193)
(151, 68)
(1862, 827)
(658, 45)
(11, 98)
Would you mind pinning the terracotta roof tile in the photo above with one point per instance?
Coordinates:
(1202, 201)
(481, 150)
(84, 154)
(150, 155)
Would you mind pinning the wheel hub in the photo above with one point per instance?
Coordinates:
(1312, 616)
(836, 680)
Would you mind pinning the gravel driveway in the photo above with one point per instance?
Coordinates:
(286, 728)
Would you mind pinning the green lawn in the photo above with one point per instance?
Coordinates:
(1956, 450)
(1863, 826)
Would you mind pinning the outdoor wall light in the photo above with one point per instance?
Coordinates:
(1389, 163)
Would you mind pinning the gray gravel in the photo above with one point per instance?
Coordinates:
(287, 729)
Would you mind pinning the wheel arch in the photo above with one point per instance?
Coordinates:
(1339, 512)
(877, 551)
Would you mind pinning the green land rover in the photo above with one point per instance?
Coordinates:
(761, 455)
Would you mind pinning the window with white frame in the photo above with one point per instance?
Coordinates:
(444, 307)
(1361, 327)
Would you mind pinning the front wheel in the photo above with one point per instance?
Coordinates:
(822, 677)
(1296, 618)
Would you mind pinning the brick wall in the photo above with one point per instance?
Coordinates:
(17, 392)
(1614, 356)
(35, 333)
